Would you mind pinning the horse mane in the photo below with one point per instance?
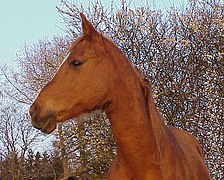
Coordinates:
(145, 85)
(146, 88)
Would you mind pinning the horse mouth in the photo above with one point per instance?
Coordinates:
(49, 126)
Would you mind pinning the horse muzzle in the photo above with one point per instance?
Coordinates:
(46, 123)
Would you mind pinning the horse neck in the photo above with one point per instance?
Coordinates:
(134, 129)
(160, 130)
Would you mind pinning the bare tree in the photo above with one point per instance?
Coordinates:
(180, 51)
(16, 137)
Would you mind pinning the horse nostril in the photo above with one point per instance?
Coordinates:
(32, 110)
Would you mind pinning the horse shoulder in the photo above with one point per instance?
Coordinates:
(187, 140)
(118, 171)
(192, 154)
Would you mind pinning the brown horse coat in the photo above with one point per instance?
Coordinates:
(96, 74)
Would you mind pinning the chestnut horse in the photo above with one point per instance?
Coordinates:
(95, 75)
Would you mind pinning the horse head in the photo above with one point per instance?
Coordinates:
(82, 83)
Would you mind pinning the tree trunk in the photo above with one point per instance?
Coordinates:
(63, 152)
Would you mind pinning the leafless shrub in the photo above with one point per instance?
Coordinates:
(180, 51)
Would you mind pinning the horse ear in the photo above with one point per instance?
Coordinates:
(87, 28)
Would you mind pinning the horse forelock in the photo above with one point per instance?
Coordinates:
(82, 38)
(75, 43)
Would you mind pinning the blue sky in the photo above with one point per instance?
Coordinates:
(27, 21)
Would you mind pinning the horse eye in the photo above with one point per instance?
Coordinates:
(75, 63)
